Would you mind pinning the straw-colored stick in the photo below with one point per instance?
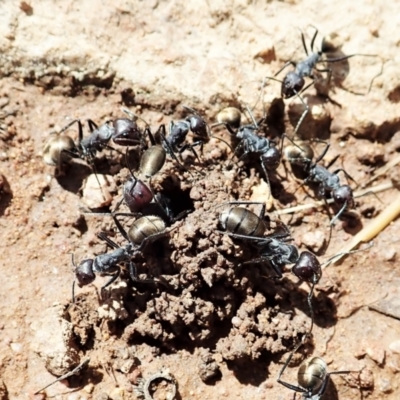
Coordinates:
(376, 226)
(375, 189)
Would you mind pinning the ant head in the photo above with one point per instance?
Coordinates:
(126, 132)
(291, 85)
(136, 194)
(343, 194)
(198, 126)
(307, 267)
(271, 158)
(84, 273)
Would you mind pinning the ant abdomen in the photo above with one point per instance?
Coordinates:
(312, 373)
(241, 221)
(153, 159)
(307, 267)
(230, 116)
(144, 227)
(57, 148)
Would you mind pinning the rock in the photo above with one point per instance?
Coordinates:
(97, 191)
(395, 346)
(53, 341)
(314, 240)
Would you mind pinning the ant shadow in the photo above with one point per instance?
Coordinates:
(74, 176)
(5, 201)
(250, 372)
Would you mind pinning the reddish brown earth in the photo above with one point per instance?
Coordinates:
(208, 320)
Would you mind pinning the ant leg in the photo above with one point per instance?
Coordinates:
(309, 301)
(345, 173)
(151, 136)
(120, 228)
(80, 131)
(191, 147)
(304, 42)
(152, 238)
(111, 243)
(286, 384)
(92, 125)
(266, 177)
(192, 110)
(168, 148)
(338, 214)
(113, 279)
(307, 109)
(238, 147)
(323, 154)
(73, 283)
(321, 391)
(262, 260)
(285, 66)
(134, 276)
(313, 39)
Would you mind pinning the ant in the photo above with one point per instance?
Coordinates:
(123, 132)
(254, 145)
(240, 223)
(153, 159)
(174, 142)
(274, 249)
(144, 230)
(329, 183)
(312, 376)
(293, 84)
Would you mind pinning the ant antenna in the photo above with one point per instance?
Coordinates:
(331, 259)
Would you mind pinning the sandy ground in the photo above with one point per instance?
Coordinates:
(218, 330)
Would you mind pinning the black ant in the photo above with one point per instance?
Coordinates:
(174, 142)
(312, 376)
(273, 249)
(144, 230)
(240, 223)
(329, 183)
(122, 131)
(293, 84)
(254, 145)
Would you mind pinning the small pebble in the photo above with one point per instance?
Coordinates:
(385, 386)
(395, 346)
(314, 240)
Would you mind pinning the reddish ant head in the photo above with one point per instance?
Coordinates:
(84, 273)
(342, 195)
(137, 194)
(307, 267)
(126, 132)
(291, 85)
